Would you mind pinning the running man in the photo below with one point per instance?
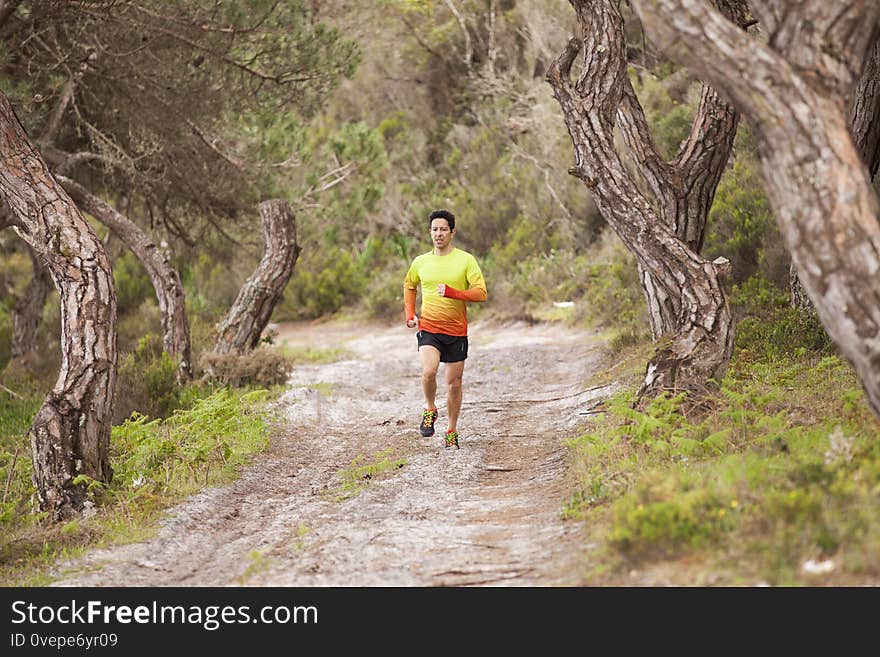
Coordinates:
(448, 277)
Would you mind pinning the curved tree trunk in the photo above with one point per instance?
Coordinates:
(690, 315)
(692, 179)
(165, 279)
(865, 129)
(684, 188)
(240, 331)
(70, 434)
(865, 112)
(28, 310)
(796, 91)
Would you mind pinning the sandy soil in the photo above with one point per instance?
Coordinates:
(487, 514)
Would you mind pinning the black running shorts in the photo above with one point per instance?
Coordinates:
(452, 348)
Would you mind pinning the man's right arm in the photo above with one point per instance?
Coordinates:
(409, 303)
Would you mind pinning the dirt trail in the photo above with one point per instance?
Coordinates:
(487, 514)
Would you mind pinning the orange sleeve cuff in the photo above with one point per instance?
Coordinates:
(473, 294)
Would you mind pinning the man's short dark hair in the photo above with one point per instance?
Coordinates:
(442, 214)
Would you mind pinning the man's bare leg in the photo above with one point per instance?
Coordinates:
(454, 372)
(430, 364)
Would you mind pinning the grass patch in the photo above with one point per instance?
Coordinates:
(314, 355)
(357, 477)
(156, 464)
(783, 468)
(257, 563)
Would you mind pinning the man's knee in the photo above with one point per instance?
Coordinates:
(454, 383)
(429, 373)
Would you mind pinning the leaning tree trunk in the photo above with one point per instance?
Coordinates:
(864, 125)
(28, 310)
(865, 112)
(796, 91)
(70, 434)
(240, 331)
(689, 312)
(165, 279)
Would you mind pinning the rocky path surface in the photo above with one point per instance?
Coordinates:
(487, 514)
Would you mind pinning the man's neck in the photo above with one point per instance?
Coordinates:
(444, 251)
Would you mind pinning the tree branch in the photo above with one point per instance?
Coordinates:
(468, 46)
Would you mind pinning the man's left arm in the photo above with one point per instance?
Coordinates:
(477, 286)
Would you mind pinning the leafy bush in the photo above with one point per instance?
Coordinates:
(146, 381)
(137, 322)
(742, 227)
(219, 431)
(769, 327)
(652, 522)
(612, 296)
(322, 283)
(16, 416)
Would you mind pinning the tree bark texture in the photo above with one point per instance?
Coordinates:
(70, 434)
(243, 325)
(865, 112)
(165, 279)
(865, 130)
(820, 191)
(664, 226)
(28, 310)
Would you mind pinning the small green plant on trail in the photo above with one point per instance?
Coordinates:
(156, 463)
(257, 563)
(358, 476)
(301, 532)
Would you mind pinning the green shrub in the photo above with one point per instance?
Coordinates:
(146, 381)
(322, 283)
(612, 296)
(644, 525)
(140, 320)
(133, 285)
(769, 327)
(218, 433)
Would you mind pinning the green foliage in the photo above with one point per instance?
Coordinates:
(742, 227)
(16, 416)
(167, 123)
(770, 473)
(769, 327)
(146, 381)
(133, 285)
(189, 448)
(214, 283)
(322, 283)
(355, 478)
(646, 524)
(156, 463)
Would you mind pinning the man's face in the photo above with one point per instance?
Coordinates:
(441, 233)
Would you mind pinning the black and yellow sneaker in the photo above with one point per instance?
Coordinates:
(429, 417)
(451, 440)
